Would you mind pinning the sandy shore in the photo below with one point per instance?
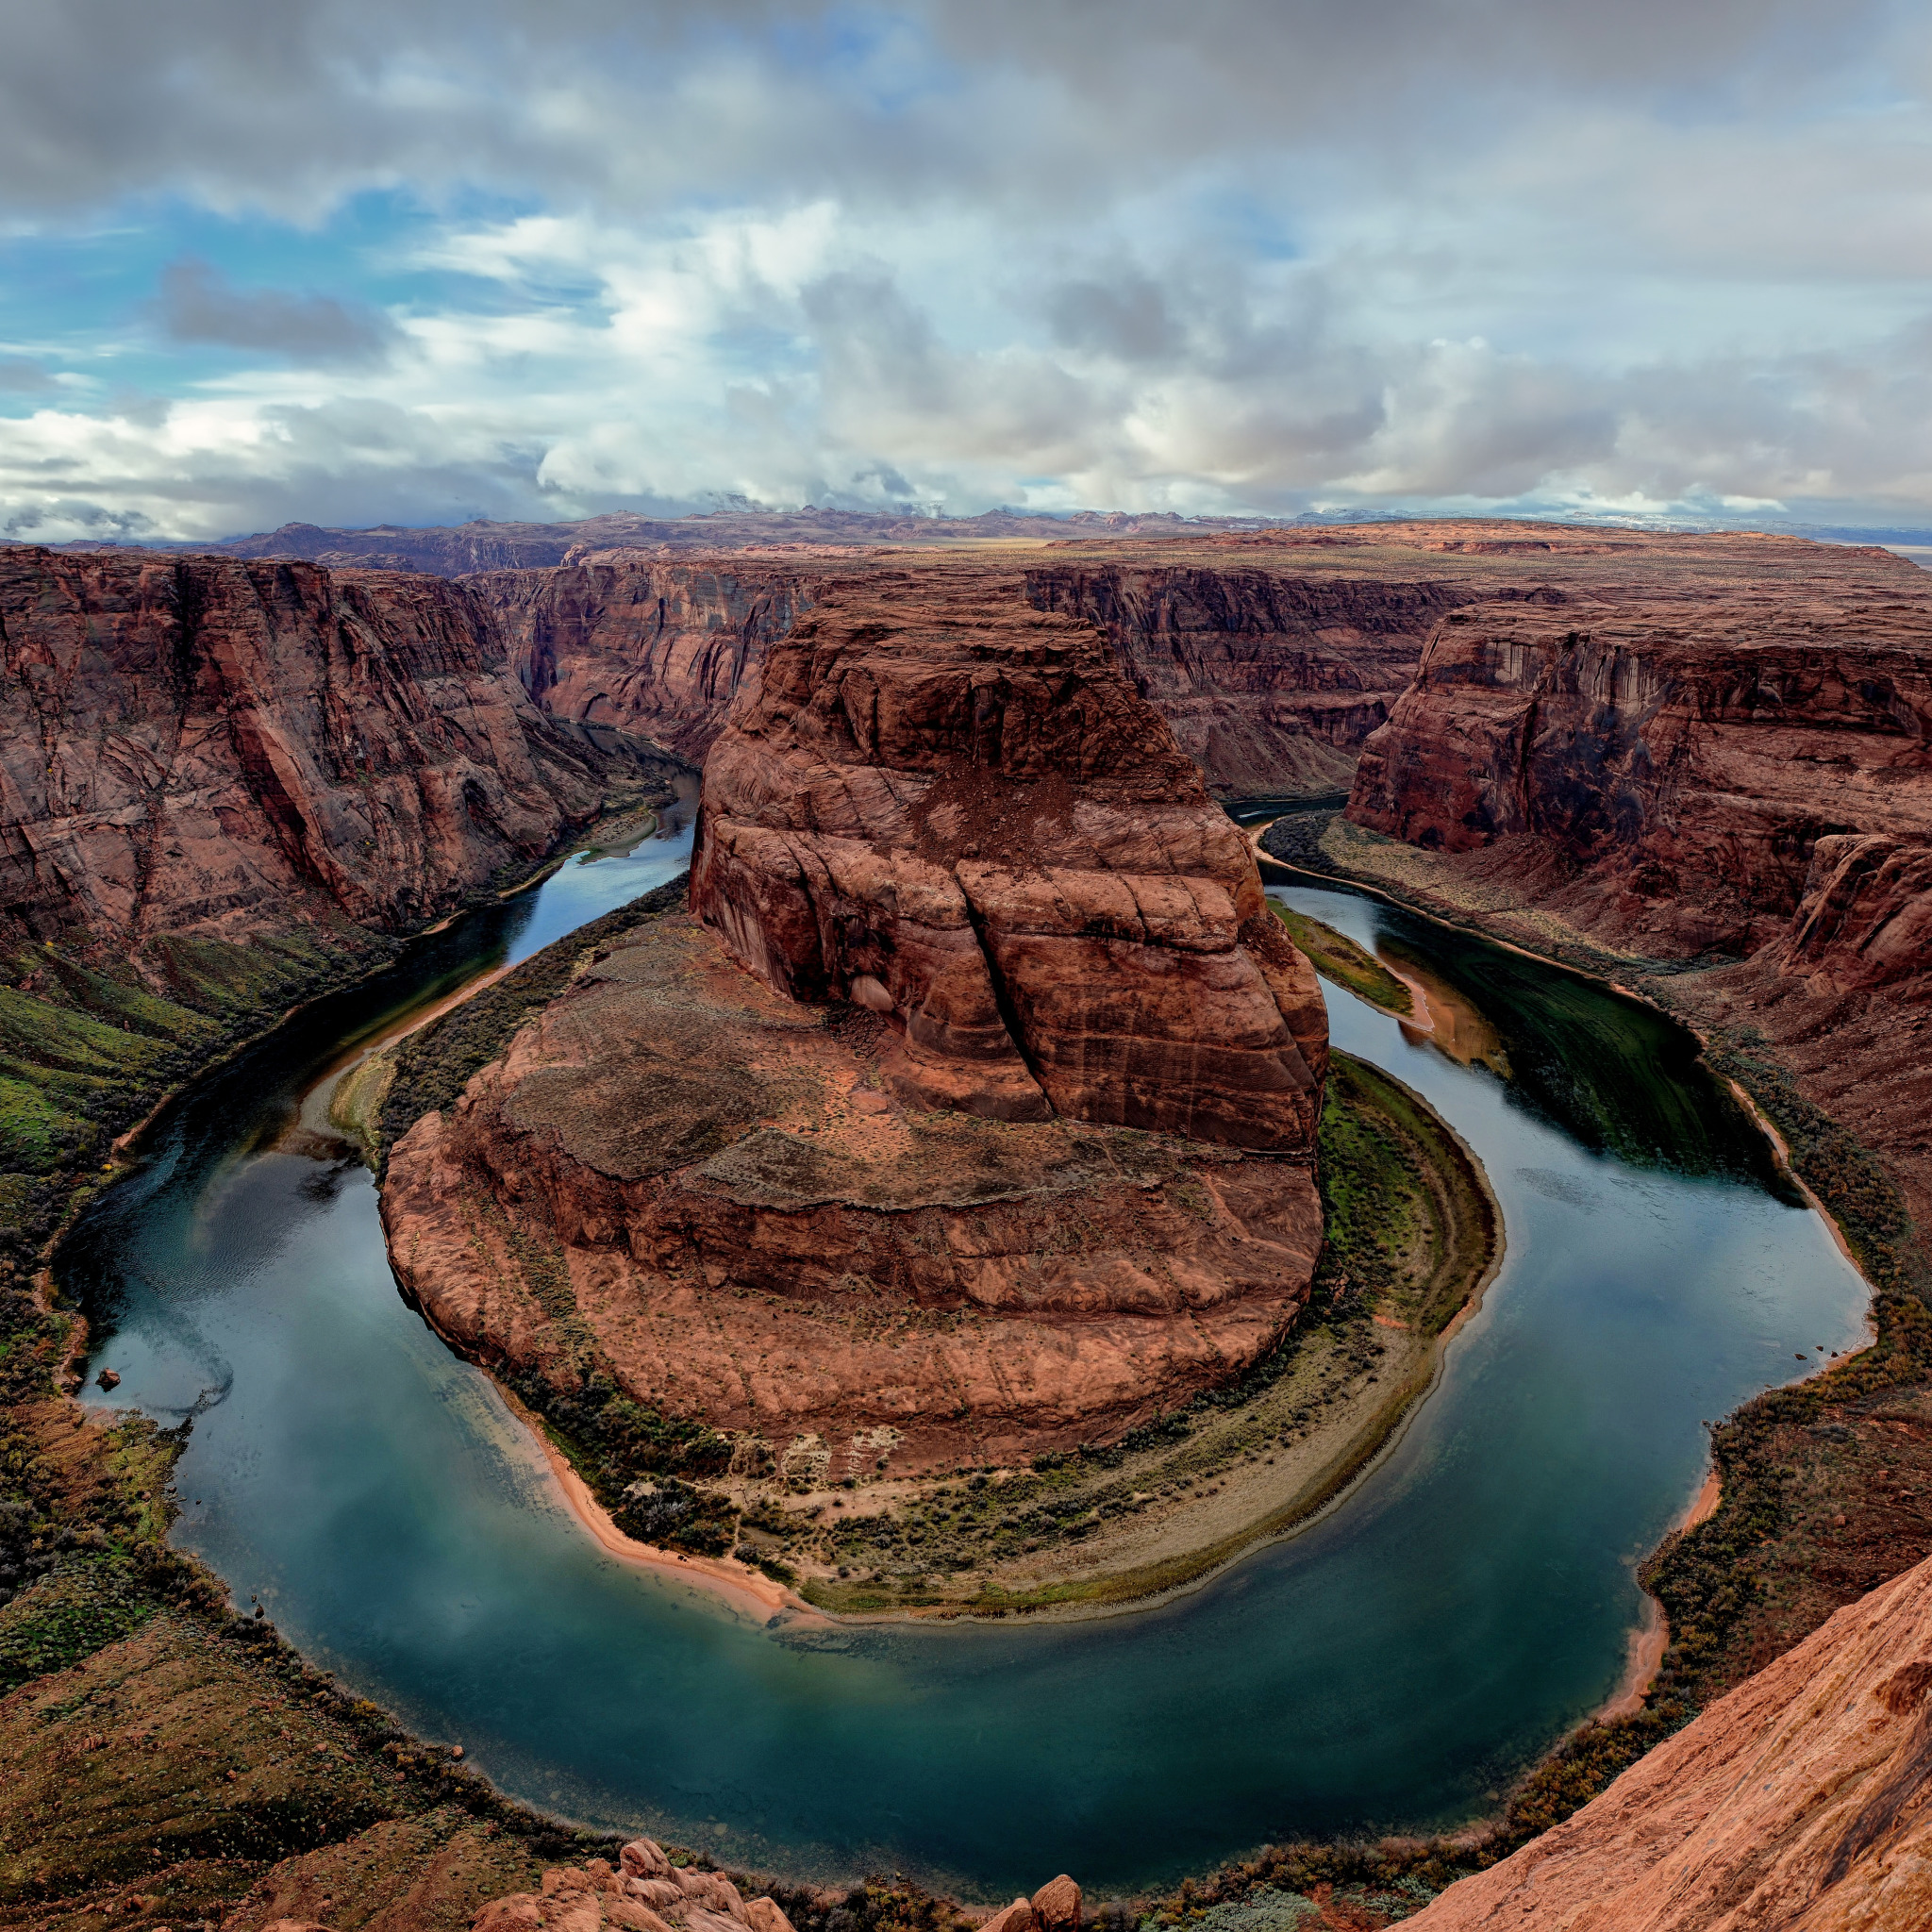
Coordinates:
(1652, 1637)
(744, 1589)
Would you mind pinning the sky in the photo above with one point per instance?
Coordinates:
(342, 262)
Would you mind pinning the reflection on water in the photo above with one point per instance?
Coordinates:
(1392, 1667)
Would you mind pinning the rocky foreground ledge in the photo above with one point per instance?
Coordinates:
(646, 1892)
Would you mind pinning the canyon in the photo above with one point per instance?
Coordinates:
(224, 786)
(967, 1114)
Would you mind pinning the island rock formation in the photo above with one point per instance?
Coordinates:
(956, 813)
(1796, 1800)
(1004, 1139)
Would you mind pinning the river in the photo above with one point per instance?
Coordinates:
(1391, 1668)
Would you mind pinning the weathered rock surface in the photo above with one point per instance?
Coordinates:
(656, 650)
(1270, 679)
(646, 1892)
(1797, 1800)
(1681, 759)
(721, 1185)
(954, 811)
(199, 746)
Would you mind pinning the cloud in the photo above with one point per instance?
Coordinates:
(198, 305)
(1237, 254)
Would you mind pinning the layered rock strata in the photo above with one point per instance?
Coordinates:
(1797, 1800)
(957, 814)
(628, 642)
(202, 746)
(1694, 766)
(1002, 1142)
(1271, 680)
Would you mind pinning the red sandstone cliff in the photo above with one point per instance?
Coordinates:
(653, 649)
(194, 746)
(1796, 1801)
(1004, 1141)
(954, 811)
(1271, 680)
(1694, 765)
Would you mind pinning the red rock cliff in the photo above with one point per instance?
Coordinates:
(1271, 680)
(1692, 763)
(654, 649)
(197, 745)
(955, 810)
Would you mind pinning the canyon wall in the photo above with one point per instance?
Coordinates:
(1004, 1139)
(1694, 768)
(1269, 680)
(199, 746)
(652, 649)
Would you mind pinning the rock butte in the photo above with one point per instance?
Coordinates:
(981, 1155)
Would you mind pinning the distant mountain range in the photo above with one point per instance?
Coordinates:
(482, 545)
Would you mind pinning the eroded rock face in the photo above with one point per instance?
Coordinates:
(1796, 1800)
(197, 746)
(757, 1227)
(953, 810)
(653, 649)
(1270, 679)
(646, 1892)
(1004, 1142)
(1694, 766)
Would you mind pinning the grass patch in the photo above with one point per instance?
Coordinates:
(1337, 956)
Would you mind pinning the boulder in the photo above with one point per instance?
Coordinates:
(1056, 1905)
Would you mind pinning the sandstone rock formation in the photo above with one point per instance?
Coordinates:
(199, 746)
(1270, 678)
(654, 649)
(1680, 758)
(646, 1892)
(1798, 1799)
(1004, 1141)
(954, 812)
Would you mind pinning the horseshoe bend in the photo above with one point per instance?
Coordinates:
(953, 1194)
(968, 1115)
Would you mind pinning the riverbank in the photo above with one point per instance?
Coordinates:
(1819, 1491)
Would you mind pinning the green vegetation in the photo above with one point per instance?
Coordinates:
(1410, 1231)
(1338, 957)
(1410, 1227)
(89, 1046)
